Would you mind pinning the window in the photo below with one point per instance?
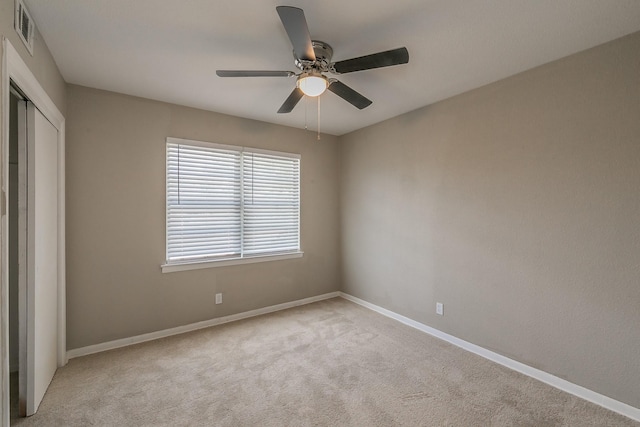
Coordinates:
(227, 203)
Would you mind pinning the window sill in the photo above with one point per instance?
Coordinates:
(196, 265)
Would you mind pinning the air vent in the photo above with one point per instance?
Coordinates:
(24, 25)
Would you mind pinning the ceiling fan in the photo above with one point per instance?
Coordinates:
(313, 59)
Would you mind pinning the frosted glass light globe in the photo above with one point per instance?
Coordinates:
(312, 85)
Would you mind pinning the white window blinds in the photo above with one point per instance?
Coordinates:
(230, 202)
(271, 195)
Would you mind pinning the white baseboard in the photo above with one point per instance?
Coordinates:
(552, 380)
(96, 348)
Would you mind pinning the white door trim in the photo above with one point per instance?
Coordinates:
(14, 68)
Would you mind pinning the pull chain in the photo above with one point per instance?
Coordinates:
(318, 118)
(306, 104)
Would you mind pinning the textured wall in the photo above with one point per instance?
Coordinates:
(116, 220)
(517, 206)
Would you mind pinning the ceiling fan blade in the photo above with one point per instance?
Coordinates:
(296, 26)
(247, 73)
(349, 95)
(291, 101)
(375, 60)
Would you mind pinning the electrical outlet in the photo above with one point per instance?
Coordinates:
(218, 298)
(440, 308)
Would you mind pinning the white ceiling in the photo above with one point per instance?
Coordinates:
(169, 50)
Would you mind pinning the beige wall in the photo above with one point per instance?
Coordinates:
(517, 205)
(116, 214)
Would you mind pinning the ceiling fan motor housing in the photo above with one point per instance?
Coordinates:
(323, 53)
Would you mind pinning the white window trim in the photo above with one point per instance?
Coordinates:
(224, 262)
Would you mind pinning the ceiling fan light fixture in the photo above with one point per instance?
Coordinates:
(312, 84)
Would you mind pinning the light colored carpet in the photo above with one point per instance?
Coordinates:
(331, 363)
